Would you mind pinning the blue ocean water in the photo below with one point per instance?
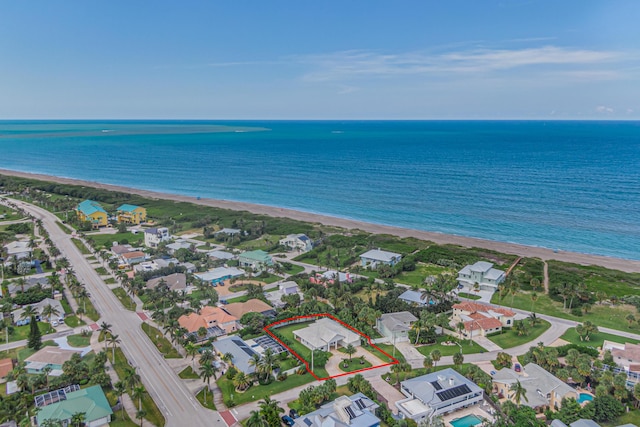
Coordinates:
(571, 186)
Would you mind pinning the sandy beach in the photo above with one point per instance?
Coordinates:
(521, 250)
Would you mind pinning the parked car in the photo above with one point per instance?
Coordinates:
(288, 420)
(293, 414)
(517, 367)
(54, 323)
(492, 373)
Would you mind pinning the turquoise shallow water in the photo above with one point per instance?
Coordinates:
(571, 186)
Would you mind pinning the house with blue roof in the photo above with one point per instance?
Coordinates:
(131, 214)
(93, 212)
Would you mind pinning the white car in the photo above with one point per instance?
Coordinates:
(54, 323)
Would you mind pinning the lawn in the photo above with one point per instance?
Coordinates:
(209, 403)
(417, 276)
(263, 242)
(89, 310)
(596, 339)
(102, 271)
(162, 344)
(110, 281)
(124, 298)
(78, 340)
(83, 249)
(22, 332)
(353, 365)
(73, 321)
(64, 227)
(387, 348)
(188, 374)
(256, 392)
(510, 338)
(601, 315)
(105, 241)
(450, 350)
(468, 296)
(293, 269)
(91, 258)
(298, 347)
(153, 413)
(631, 417)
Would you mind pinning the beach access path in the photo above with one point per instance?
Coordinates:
(348, 224)
(172, 396)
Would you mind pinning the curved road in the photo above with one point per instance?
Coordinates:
(178, 405)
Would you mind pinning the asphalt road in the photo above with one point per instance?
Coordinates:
(178, 405)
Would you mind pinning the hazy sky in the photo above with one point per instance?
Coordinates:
(320, 59)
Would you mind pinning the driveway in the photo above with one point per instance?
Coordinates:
(411, 354)
(486, 343)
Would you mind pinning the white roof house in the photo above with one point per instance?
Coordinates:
(297, 241)
(217, 254)
(177, 245)
(376, 257)
(482, 273)
(324, 333)
(346, 411)
(19, 249)
(153, 236)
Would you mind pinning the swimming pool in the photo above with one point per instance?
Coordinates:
(466, 421)
(584, 397)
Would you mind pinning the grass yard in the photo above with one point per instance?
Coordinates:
(263, 242)
(417, 276)
(595, 340)
(73, 321)
(64, 227)
(387, 348)
(631, 417)
(510, 338)
(209, 396)
(105, 241)
(293, 269)
(469, 296)
(78, 340)
(188, 374)
(89, 310)
(601, 315)
(110, 281)
(162, 344)
(91, 258)
(81, 247)
(353, 365)
(22, 332)
(257, 392)
(153, 413)
(102, 271)
(450, 350)
(124, 298)
(298, 347)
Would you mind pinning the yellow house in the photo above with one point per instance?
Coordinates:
(131, 214)
(94, 213)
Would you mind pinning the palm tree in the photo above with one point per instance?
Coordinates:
(519, 393)
(228, 358)
(256, 420)
(207, 357)
(206, 372)
(78, 418)
(458, 359)
(350, 350)
(270, 410)
(114, 341)
(105, 329)
(630, 318)
(140, 415)
(27, 312)
(435, 356)
(534, 298)
(242, 381)
(427, 363)
(131, 377)
(138, 393)
(120, 389)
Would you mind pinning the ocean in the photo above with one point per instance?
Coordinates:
(571, 186)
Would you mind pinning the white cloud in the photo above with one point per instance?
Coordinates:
(602, 109)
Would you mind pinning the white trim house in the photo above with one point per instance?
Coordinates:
(325, 334)
(376, 257)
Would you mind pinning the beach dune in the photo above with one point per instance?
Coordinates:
(440, 238)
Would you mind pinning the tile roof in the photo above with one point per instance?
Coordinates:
(194, 321)
(472, 307)
(6, 365)
(630, 352)
(482, 323)
(51, 355)
(239, 309)
(135, 254)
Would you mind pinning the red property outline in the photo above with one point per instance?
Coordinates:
(306, 364)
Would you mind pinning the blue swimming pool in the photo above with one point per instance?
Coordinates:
(584, 397)
(467, 421)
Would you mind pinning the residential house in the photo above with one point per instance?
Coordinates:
(415, 298)
(325, 333)
(175, 282)
(39, 308)
(241, 351)
(481, 319)
(228, 232)
(215, 320)
(19, 250)
(30, 282)
(376, 257)
(134, 257)
(174, 247)
(221, 255)
(93, 212)
(156, 235)
(131, 214)
(330, 277)
(543, 390)
(299, 242)
(284, 288)
(583, 423)
(121, 249)
(346, 411)
(90, 401)
(436, 394)
(48, 357)
(257, 260)
(219, 275)
(396, 326)
(239, 309)
(483, 274)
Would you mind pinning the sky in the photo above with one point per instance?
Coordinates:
(277, 59)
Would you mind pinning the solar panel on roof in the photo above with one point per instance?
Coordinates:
(350, 412)
(453, 392)
(360, 404)
(308, 422)
(436, 385)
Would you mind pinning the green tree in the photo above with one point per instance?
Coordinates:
(436, 356)
(138, 393)
(607, 408)
(519, 393)
(206, 372)
(120, 389)
(35, 337)
(256, 420)
(428, 363)
(458, 359)
(350, 350)
(140, 416)
(50, 311)
(78, 418)
(271, 411)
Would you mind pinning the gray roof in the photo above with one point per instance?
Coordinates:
(175, 281)
(221, 254)
(424, 388)
(557, 423)
(584, 423)
(399, 321)
(413, 296)
(537, 381)
(240, 350)
(354, 411)
(380, 255)
(481, 266)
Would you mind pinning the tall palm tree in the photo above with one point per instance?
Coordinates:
(140, 415)
(27, 312)
(242, 381)
(78, 418)
(350, 350)
(256, 420)
(50, 311)
(436, 356)
(105, 329)
(138, 393)
(114, 340)
(519, 393)
(131, 377)
(120, 389)
(206, 372)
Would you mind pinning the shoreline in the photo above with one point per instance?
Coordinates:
(348, 224)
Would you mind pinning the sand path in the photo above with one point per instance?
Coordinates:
(511, 248)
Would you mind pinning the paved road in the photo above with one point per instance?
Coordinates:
(174, 399)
